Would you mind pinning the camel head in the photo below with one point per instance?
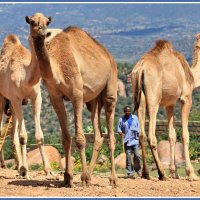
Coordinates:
(197, 42)
(38, 25)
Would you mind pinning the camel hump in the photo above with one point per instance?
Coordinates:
(72, 28)
(163, 44)
(83, 34)
(12, 39)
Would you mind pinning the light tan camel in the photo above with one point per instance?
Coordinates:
(161, 78)
(20, 79)
(77, 68)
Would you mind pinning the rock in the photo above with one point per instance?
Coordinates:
(34, 156)
(102, 159)
(120, 160)
(62, 163)
(121, 88)
(164, 153)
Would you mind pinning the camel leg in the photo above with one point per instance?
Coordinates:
(36, 106)
(109, 100)
(95, 108)
(172, 140)
(16, 162)
(79, 135)
(22, 137)
(3, 165)
(153, 141)
(15, 139)
(59, 108)
(142, 135)
(186, 106)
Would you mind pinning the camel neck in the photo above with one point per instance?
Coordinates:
(196, 66)
(34, 66)
(42, 57)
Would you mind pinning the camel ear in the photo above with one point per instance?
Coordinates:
(49, 20)
(28, 19)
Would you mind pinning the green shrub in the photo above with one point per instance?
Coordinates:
(36, 167)
(194, 115)
(55, 166)
(77, 166)
(102, 168)
(194, 146)
(8, 151)
(9, 165)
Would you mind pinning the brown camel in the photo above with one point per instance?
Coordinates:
(161, 78)
(20, 79)
(76, 67)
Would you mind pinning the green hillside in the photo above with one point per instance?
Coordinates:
(50, 124)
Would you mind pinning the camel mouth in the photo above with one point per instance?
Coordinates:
(38, 36)
(41, 35)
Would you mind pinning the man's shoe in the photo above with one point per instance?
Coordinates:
(131, 176)
(139, 173)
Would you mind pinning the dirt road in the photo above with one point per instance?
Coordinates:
(38, 187)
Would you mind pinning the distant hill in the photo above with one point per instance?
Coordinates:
(127, 30)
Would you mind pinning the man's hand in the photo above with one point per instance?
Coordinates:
(122, 134)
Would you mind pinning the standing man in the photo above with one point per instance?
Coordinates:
(128, 128)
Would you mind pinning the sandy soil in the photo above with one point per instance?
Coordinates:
(39, 187)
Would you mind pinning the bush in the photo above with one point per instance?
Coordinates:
(55, 166)
(9, 165)
(36, 167)
(194, 115)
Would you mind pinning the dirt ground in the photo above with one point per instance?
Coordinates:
(39, 187)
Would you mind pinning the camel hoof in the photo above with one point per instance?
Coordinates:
(163, 178)
(113, 181)
(23, 171)
(68, 180)
(27, 177)
(174, 175)
(146, 176)
(86, 179)
(3, 166)
(192, 177)
(51, 176)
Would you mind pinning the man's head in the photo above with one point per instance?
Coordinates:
(127, 111)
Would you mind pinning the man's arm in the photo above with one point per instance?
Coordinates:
(137, 123)
(119, 128)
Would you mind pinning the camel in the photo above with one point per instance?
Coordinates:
(161, 78)
(77, 68)
(20, 79)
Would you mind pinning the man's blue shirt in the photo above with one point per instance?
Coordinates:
(130, 127)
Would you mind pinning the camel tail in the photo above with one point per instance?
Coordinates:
(137, 78)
